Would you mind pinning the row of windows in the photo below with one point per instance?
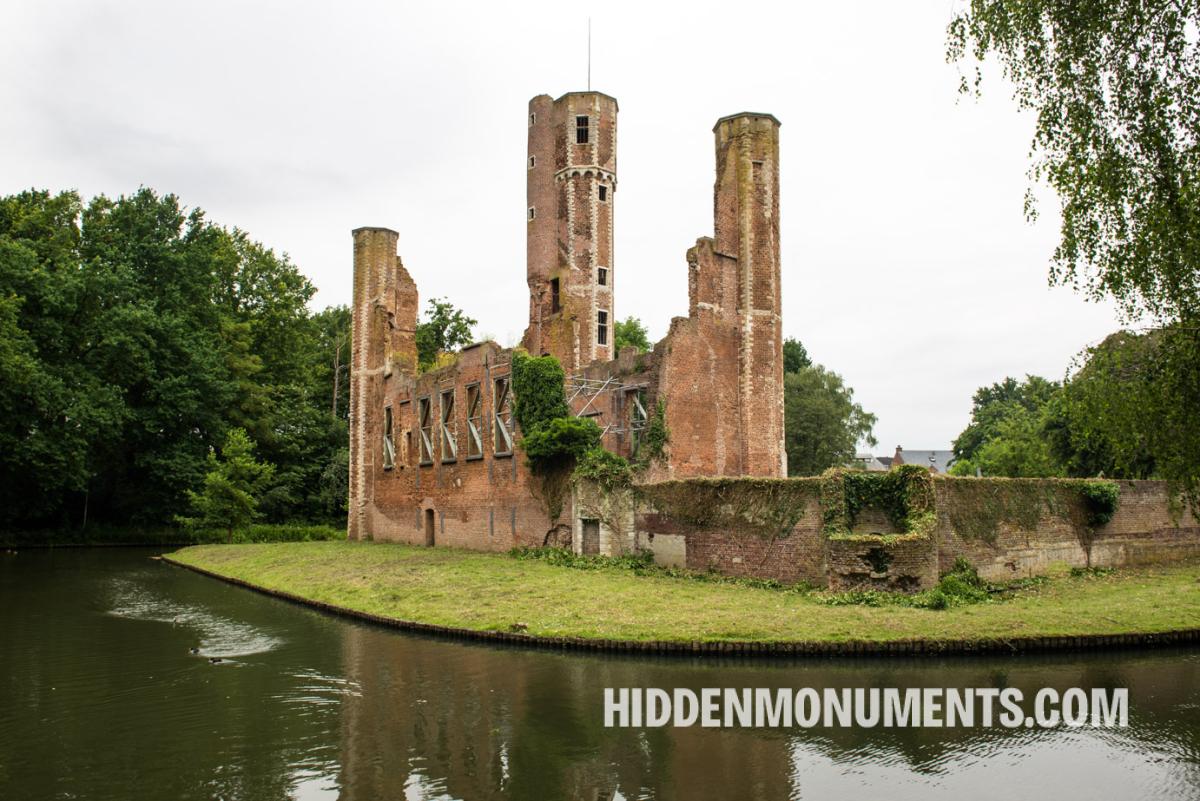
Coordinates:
(601, 316)
(437, 429)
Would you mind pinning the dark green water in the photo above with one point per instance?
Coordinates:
(100, 698)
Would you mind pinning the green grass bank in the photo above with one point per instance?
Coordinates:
(486, 592)
(100, 535)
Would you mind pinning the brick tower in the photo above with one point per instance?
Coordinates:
(571, 184)
(746, 219)
(383, 326)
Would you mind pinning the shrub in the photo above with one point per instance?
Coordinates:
(561, 440)
(605, 468)
(1100, 499)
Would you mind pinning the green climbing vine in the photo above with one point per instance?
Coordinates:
(904, 495)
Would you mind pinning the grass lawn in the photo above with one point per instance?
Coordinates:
(486, 591)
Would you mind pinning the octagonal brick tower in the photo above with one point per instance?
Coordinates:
(571, 188)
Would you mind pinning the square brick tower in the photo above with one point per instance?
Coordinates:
(746, 219)
(571, 188)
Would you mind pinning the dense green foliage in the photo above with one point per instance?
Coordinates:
(605, 468)
(444, 330)
(1127, 411)
(1004, 437)
(822, 423)
(1115, 86)
(904, 494)
(630, 333)
(229, 497)
(134, 335)
(795, 356)
(537, 385)
(561, 440)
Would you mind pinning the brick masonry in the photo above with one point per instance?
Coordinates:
(717, 373)
(711, 534)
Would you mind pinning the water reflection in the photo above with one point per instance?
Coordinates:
(101, 698)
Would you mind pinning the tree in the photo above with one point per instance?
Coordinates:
(1115, 86)
(993, 406)
(229, 499)
(444, 329)
(822, 423)
(795, 357)
(630, 333)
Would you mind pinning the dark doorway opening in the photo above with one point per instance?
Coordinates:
(591, 537)
(429, 523)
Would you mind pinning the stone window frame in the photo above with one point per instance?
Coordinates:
(389, 443)
(532, 162)
(532, 118)
(425, 429)
(474, 410)
(602, 192)
(532, 213)
(447, 426)
(583, 128)
(603, 323)
(502, 420)
(601, 275)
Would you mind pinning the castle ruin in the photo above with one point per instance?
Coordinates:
(433, 455)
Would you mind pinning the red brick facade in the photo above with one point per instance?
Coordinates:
(434, 455)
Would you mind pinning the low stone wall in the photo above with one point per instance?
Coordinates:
(901, 535)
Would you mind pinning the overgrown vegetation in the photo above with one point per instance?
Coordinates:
(766, 507)
(903, 494)
(959, 587)
(977, 508)
(444, 330)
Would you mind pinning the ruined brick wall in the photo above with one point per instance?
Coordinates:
(905, 563)
(727, 526)
(1147, 527)
(456, 479)
(383, 328)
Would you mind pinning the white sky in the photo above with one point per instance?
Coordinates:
(908, 266)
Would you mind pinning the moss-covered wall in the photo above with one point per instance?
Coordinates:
(897, 530)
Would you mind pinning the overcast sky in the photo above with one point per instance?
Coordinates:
(908, 266)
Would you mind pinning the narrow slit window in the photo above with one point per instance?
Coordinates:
(532, 162)
(532, 212)
(425, 426)
(502, 437)
(389, 446)
(603, 193)
(533, 119)
(555, 297)
(581, 130)
(449, 432)
(474, 422)
(601, 327)
(602, 276)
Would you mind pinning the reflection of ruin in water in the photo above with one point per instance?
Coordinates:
(472, 721)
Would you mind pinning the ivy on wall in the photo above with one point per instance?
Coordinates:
(978, 507)
(767, 507)
(904, 494)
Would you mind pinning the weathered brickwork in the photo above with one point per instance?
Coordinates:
(430, 463)
(724, 532)
(1148, 527)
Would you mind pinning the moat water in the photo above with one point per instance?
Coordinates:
(101, 697)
